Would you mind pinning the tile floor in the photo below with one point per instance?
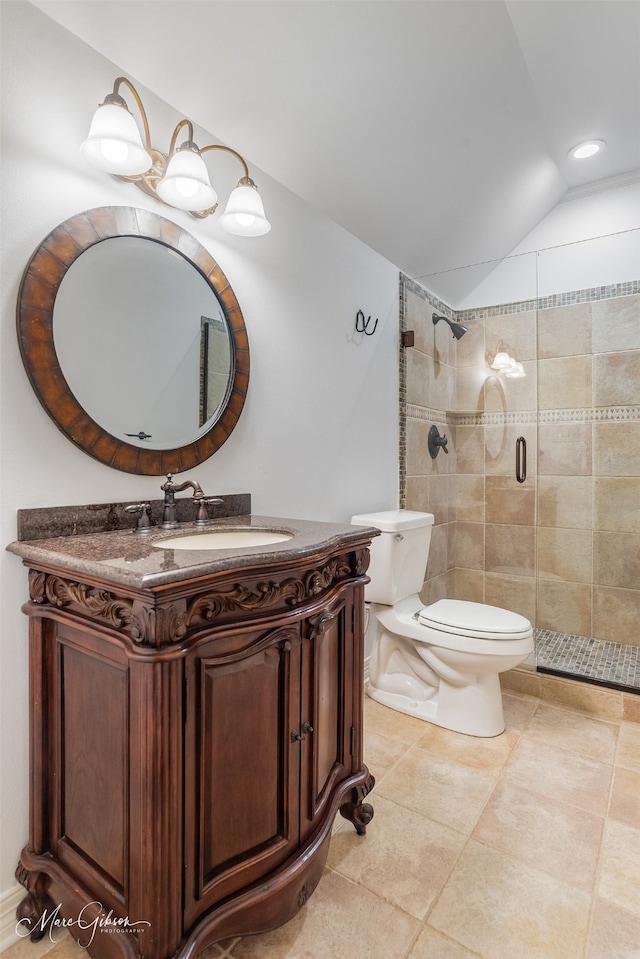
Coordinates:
(526, 846)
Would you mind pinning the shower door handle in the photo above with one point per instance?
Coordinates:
(521, 459)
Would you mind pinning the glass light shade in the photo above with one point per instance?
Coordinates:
(502, 361)
(186, 185)
(244, 214)
(516, 372)
(114, 143)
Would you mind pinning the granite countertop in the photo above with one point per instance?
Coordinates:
(136, 560)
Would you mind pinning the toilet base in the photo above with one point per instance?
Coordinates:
(475, 710)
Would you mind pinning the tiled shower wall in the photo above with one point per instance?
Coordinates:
(562, 548)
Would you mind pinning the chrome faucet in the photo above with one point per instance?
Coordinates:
(169, 517)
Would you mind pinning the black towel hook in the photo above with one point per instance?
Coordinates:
(362, 325)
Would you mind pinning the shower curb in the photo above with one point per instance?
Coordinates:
(610, 705)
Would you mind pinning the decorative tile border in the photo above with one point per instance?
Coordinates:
(615, 414)
(591, 414)
(596, 293)
(424, 413)
(404, 284)
(412, 286)
(629, 288)
(501, 309)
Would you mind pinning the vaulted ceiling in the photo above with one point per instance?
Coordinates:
(436, 131)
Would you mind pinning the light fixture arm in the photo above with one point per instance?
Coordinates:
(136, 96)
(220, 146)
(174, 135)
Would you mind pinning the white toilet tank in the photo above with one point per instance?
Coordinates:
(398, 556)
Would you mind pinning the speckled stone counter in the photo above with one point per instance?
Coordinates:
(136, 560)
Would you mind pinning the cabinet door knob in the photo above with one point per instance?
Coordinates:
(307, 727)
(296, 736)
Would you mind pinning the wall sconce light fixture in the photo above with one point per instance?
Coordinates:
(505, 363)
(179, 178)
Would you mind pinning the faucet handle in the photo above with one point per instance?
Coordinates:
(202, 516)
(143, 510)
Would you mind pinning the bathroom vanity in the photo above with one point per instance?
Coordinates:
(196, 725)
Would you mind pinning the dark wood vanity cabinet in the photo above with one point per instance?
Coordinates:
(190, 748)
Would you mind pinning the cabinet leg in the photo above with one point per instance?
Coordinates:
(357, 811)
(35, 912)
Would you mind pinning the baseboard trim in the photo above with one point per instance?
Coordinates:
(9, 902)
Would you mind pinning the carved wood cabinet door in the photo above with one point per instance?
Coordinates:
(242, 767)
(327, 723)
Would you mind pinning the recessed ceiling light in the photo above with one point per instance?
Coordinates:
(588, 149)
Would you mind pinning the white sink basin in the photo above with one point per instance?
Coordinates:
(224, 539)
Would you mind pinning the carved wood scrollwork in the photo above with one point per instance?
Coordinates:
(357, 811)
(99, 603)
(318, 624)
(361, 559)
(320, 579)
(156, 625)
(213, 604)
(144, 624)
(290, 591)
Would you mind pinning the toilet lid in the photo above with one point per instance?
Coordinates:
(474, 619)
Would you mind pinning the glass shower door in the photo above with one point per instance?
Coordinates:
(588, 500)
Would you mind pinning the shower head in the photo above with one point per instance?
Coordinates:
(456, 328)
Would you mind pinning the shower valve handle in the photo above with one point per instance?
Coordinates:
(435, 442)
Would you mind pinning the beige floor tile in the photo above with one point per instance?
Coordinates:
(340, 919)
(493, 844)
(518, 711)
(628, 754)
(481, 753)
(381, 753)
(58, 945)
(620, 866)
(559, 774)
(625, 797)
(446, 791)
(615, 934)
(569, 730)
(405, 860)
(431, 944)
(220, 950)
(548, 835)
(390, 723)
(631, 707)
(502, 909)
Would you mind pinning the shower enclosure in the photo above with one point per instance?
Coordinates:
(561, 544)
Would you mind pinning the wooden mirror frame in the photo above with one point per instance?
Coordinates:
(36, 299)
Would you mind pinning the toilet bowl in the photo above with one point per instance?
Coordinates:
(441, 662)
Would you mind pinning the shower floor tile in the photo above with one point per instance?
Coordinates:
(598, 660)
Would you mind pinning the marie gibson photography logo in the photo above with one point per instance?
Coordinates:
(86, 924)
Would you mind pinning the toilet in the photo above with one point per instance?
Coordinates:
(440, 662)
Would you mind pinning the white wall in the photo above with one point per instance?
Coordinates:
(318, 434)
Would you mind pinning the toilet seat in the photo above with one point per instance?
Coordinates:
(475, 620)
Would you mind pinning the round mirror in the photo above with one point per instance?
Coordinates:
(133, 340)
